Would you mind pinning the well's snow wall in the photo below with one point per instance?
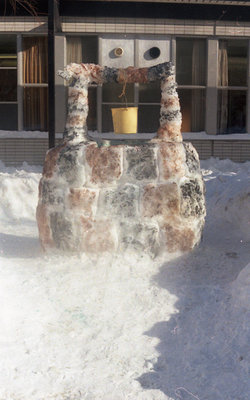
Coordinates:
(117, 195)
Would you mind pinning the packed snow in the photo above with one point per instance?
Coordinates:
(126, 327)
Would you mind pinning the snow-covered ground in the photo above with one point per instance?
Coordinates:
(126, 327)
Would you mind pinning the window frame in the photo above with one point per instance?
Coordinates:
(211, 88)
(3, 102)
(192, 87)
(22, 84)
(233, 88)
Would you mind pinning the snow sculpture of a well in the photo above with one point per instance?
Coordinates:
(144, 195)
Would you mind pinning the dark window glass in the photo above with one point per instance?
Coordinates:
(150, 92)
(8, 55)
(107, 124)
(82, 49)
(148, 118)
(192, 102)
(111, 93)
(231, 111)
(91, 120)
(8, 76)
(8, 84)
(232, 63)
(191, 61)
(8, 120)
(35, 108)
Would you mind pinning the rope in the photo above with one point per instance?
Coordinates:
(123, 93)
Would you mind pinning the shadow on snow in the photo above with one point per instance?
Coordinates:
(13, 246)
(203, 349)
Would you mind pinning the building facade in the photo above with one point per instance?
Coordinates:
(208, 43)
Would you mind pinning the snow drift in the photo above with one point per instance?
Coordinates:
(119, 328)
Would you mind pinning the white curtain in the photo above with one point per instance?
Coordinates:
(223, 81)
(198, 73)
(74, 50)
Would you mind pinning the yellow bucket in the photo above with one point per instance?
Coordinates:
(125, 119)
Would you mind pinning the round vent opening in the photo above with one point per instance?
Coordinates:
(154, 52)
(118, 52)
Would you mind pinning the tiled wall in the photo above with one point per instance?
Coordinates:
(235, 150)
(15, 151)
(128, 25)
(24, 24)
(154, 26)
(203, 147)
(238, 151)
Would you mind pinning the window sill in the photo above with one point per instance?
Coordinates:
(26, 135)
(111, 135)
(204, 136)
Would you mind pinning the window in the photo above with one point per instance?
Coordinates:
(192, 103)
(84, 49)
(149, 107)
(196, 85)
(146, 97)
(191, 61)
(8, 82)
(111, 98)
(232, 86)
(35, 83)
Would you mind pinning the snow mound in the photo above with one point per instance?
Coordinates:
(228, 193)
(241, 288)
(126, 328)
(226, 166)
(19, 192)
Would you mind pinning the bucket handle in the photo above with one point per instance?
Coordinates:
(123, 93)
